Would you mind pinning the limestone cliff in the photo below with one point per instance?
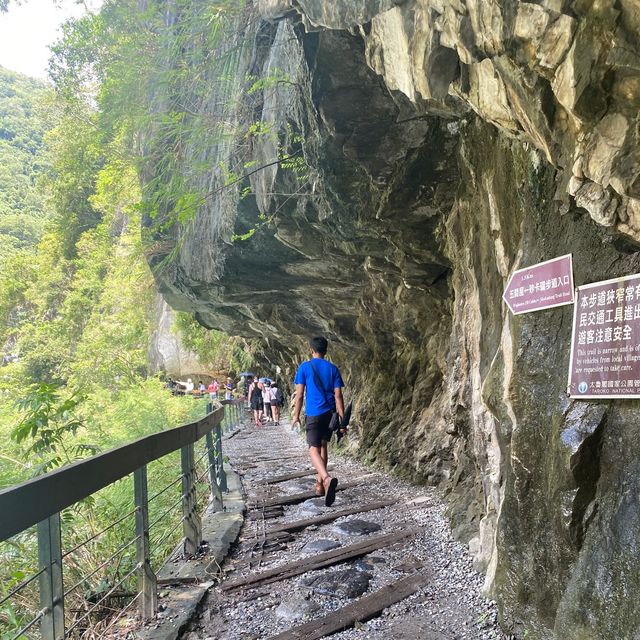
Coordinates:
(428, 148)
(167, 352)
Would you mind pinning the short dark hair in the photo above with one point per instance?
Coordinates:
(319, 345)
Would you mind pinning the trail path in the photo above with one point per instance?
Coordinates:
(400, 548)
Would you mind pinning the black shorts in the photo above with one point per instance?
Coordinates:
(317, 428)
(256, 404)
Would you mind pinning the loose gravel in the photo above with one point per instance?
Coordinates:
(450, 606)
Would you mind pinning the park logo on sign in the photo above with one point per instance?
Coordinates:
(605, 341)
(541, 286)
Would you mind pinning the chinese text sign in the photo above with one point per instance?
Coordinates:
(541, 286)
(605, 342)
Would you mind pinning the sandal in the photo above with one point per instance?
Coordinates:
(319, 488)
(330, 486)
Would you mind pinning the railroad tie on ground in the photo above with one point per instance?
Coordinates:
(265, 514)
(319, 561)
(296, 498)
(293, 475)
(299, 525)
(358, 611)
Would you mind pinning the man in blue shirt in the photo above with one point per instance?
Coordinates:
(322, 383)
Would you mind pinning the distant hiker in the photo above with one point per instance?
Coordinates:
(322, 382)
(266, 400)
(255, 400)
(189, 386)
(228, 389)
(248, 381)
(277, 401)
(201, 388)
(213, 387)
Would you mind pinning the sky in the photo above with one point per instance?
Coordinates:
(27, 30)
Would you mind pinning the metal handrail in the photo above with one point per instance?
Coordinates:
(39, 501)
(35, 500)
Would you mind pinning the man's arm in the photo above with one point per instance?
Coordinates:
(295, 416)
(337, 394)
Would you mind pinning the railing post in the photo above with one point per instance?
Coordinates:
(147, 584)
(51, 585)
(222, 475)
(216, 493)
(192, 526)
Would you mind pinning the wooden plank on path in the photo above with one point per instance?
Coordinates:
(298, 525)
(358, 611)
(336, 556)
(293, 475)
(295, 498)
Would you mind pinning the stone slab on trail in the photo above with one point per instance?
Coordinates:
(356, 527)
(346, 583)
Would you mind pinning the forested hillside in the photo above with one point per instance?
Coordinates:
(76, 294)
(23, 122)
(77, 311)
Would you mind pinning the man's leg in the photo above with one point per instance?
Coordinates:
(324, 457)
(317, 439)
(318, 457)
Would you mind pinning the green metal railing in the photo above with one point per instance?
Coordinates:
(40, 502)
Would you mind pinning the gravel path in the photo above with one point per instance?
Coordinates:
(449, 607)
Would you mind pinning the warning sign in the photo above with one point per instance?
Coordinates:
(605, 344)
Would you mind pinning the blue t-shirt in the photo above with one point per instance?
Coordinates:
(319, 400)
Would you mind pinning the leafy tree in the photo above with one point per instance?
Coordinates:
(49, 424)
(24, 117)
(214, 348)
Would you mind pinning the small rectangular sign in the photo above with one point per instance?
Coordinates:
(605, 342)
(541, 286)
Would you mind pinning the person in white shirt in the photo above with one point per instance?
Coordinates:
(266, 400)
(276, 396)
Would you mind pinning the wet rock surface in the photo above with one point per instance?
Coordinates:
(318, 546)
(356, 527)
(349, 583)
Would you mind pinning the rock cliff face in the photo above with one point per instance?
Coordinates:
(167, 353)
(429, 148)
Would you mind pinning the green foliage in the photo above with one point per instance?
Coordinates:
(76, 156)
(49, 423)
(213, 348)
(24, 117)
(76, 294)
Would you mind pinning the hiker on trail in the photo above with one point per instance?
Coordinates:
(213, 387)
(228, 389)
(266, 401)
(322, 382)
(277, 401)
(255, 400)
